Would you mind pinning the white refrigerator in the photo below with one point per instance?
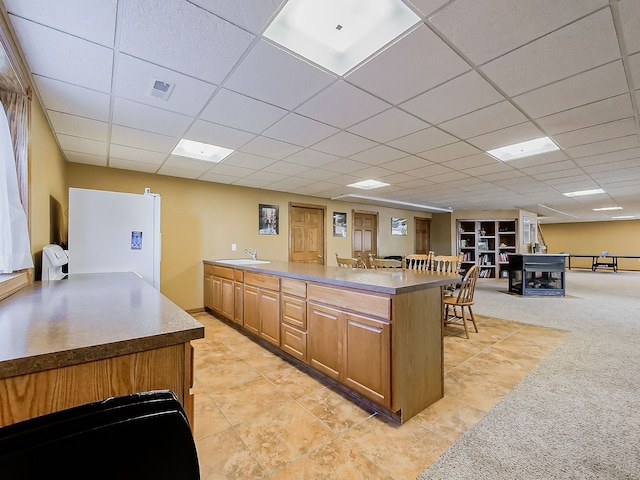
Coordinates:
(114, 232)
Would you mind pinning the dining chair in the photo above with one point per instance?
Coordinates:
(419, 262)
(464, 299)
(447, 264)
(346, 262)
(386, 263)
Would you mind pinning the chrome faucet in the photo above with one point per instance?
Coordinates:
(254, 254)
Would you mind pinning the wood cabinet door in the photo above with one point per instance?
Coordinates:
(251, 309)
(294, 311)
(269, 311)
(216, 293)
(238, 310)
(367, 353)
(325, 340)
(208, 292)
(228, 298)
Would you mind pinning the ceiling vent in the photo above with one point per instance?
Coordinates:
(161, 90)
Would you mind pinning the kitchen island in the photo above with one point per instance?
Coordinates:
(375, 335)
(93, 336)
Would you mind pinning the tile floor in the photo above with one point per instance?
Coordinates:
(258, 417)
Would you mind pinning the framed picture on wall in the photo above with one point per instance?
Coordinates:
(339, 224)
(398, 226)
(268, 219)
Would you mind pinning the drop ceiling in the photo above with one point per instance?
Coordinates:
(472, 75)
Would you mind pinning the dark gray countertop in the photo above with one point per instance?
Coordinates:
(379, 281)
(85, 318)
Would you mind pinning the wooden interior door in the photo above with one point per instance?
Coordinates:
(306, 234)
(365, 235)
(423, 235)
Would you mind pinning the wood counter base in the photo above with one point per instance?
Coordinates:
(381, 349)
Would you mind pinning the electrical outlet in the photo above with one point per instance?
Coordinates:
(233, 247)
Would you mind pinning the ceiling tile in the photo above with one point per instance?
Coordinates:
(507, 136)
(216, 178)
(137, 115)
(410, 162)
(179, 172)
(79, 126)
(634, 66)
(250, 14)
(461, 95)
(580, 46)
(378, 155)
(488, 119)
(344, 144)
(96, 24)
(388, 125)
(449, 152)
(299, 130)
(140, 139)
(274, 76)
(423, 140)
(242, 112)
(604, 146)
(64, 57)
(183, 37)
(186, 163)
(484, 30)
(207, 132)
(469, 162)
(268, 147)
(130, 165)
(87, 158)
(609, 166)
(311, 158)
(67, 98)
(403, 70)
(590, 86)
(231, 170)
(633, 153)
(549, 167)
(246, 160)
(344, 165)
(82, 145)
(630, 17)
(136, 154)
(342, 105)
(588, 115)
(285, 168)
(605, 131)
(134, 80)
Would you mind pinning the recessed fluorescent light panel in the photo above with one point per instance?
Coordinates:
(524, 149)
(602, 209)
(582, 193)
(339, 34)
(622, 217)
(201, 151)
(368, 184)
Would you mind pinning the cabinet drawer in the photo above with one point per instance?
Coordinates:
(208, 269)
(377, 306)
(264, 281)
(294, 287)
(294, 342)
(238, 275)
(294, 311)
(222, 272)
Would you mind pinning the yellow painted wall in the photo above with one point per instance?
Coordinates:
(47, 170)
(200, 220)
(620, 237)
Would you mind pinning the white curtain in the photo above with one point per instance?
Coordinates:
(15, 248)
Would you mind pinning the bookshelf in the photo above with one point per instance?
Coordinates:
(488, 244)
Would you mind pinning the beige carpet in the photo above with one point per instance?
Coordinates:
(577, 415)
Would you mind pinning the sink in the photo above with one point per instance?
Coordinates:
(242, 261)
